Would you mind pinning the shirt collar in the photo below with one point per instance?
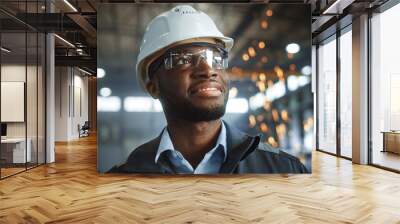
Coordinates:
(166, 142)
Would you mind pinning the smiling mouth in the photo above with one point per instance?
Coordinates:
(207, 92)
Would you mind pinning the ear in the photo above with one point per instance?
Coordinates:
(153, 88)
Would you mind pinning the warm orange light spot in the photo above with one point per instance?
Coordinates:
(264, 24)
(245, 57)
(264, 127)
(272, 141)
(261, 44)
(269, 12)
(262, 76)
(252, 52)
(284, 115)
(279, 72)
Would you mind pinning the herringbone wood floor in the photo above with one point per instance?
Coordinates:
(71, 191)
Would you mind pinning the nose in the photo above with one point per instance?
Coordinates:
(204, 70)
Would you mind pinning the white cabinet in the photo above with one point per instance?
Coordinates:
(18, 149)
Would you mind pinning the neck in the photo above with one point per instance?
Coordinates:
(193, 139)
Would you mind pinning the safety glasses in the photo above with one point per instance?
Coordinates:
(183, 57)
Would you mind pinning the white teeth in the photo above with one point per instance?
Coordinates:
(207, 89)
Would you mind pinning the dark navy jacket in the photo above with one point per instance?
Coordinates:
(246, 154)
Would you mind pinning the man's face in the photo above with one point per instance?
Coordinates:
(195, 93)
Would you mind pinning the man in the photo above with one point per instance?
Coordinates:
(182, 63)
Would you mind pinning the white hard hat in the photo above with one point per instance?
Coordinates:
(178, 24)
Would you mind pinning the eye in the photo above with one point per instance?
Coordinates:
(183, 60)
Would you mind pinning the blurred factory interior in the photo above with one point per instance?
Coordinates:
(325, 91)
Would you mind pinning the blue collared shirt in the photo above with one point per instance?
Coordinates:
(211, 162)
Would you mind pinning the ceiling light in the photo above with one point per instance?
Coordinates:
(292, 83)
(5, 50)
(108, 104)
(306, 70)
(337, 7)
(84, 71)
(292, 48)
(100, 73)
(233, 92)
(65, 41)
(237, 105)
(70, 5)
(105, 91)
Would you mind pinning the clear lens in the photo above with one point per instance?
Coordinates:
(215, 58)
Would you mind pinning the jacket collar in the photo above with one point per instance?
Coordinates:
(239, 146)
(167, 145)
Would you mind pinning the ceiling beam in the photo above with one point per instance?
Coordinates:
(84, 24)
(81, 61)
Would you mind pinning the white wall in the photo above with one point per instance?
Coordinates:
(11, 73)
(71, 94)
(80, 110)
(62, 80)
(14, 73)
(17, 73)
(33, 126)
